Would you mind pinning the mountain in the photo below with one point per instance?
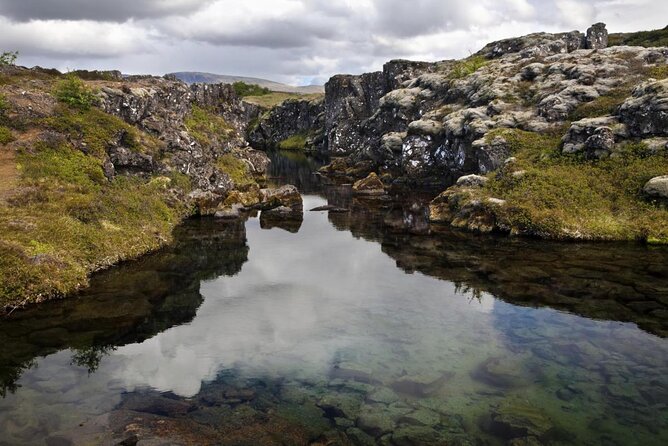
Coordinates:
(192, 77)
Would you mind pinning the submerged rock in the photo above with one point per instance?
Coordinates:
(518, 420)
(421, 385)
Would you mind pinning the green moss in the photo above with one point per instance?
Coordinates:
(206, 126)
(604, 105)
(659, 72)
(6, 135)
(243, 89)
(466, 67)
(294, 142)
(565, 197)
(98, 130)
(74, 92)
(530, 147)
(236, 169)
(70, 221)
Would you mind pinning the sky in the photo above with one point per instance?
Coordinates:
(298, 42)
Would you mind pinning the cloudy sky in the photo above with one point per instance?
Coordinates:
(294, 41)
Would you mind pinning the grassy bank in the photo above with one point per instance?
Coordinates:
(568, 197)
(62, 215)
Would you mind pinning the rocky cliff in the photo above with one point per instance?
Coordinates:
(525, 113)
(100, 170)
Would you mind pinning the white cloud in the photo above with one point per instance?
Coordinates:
(292, 40)
(80, 38)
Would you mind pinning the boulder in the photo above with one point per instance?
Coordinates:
(646, 113)
(657, 188)
(600, 144)
(287, 196)
(597, 37)
(123, 158)
(205, 202)
(371, 185)
(472, 181)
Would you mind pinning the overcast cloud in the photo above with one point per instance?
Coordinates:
(293, 41)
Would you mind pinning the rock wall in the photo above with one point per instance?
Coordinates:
(433, 122)
(290, 118)
(161, 107)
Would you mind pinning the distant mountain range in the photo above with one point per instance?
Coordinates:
(192, 77)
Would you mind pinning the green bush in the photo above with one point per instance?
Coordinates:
(243, 89)
(9, 57)
(5, 135)
(74, 92)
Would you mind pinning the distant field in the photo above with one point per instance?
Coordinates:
(275, 98)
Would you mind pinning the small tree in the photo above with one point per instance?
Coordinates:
(74, 92)
(8, 57)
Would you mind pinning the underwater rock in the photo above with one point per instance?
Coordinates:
(375, 422)
(516, 419)
(421, 385)
(359, 437)
(351, 371)
(156, 405)
(340, 405)
(421, 417)
(383, 395)
(505, 372)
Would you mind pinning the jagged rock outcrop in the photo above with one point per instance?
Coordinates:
(292, 117)
(646, 113)
(434, 122)
(163, 107)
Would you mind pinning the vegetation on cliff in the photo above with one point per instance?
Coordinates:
(81, 187)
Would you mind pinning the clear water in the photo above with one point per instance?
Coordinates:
(366, 327)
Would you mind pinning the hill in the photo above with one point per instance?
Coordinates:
(192, 77)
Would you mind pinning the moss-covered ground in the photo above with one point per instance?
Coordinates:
(565, 196)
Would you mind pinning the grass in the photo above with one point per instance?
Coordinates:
(236, 169)
(6, 135)
(563, 197)
(96, 130)
(69, 221)
(243, 89)
(207, 127)
(466, 67)
(74, 92)
(294, 142)
(657, 37)
(276, 98)
(603, 105)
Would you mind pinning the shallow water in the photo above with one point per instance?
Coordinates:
(362, 327)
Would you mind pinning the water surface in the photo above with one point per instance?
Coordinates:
(363, 327)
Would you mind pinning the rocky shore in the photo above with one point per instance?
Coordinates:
(101, 170)
(569, 136)
(552, 135)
